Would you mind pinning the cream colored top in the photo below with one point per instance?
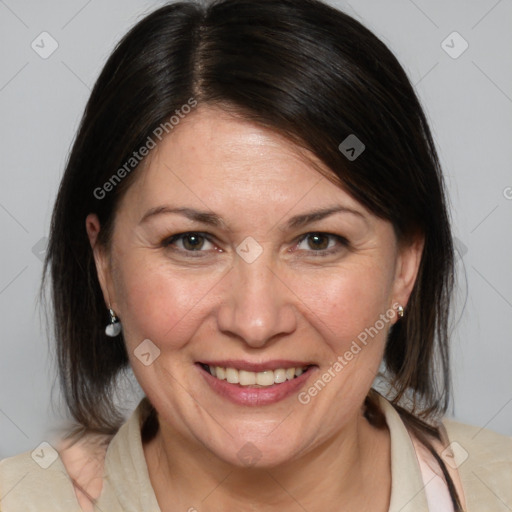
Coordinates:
(484, 461)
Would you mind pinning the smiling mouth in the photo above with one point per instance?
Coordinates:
(264, 378)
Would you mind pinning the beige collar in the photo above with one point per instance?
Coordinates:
(127, 486)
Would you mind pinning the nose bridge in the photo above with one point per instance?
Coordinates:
(258, 306)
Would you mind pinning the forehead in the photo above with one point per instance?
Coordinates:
(214, 153)
(216, 161)
(212, 143)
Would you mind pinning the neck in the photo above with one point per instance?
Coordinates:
(351, 468)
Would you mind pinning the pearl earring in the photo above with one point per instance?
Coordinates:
(400, 311)
(114, 327)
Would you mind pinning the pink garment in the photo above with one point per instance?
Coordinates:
(436, 488)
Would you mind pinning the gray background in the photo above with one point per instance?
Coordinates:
(468, 101)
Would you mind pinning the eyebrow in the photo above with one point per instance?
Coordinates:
(307, 218)
(203, 217)
(214, 220)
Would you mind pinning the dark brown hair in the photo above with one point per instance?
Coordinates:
(313, 74)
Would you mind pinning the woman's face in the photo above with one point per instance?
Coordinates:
(230, 250)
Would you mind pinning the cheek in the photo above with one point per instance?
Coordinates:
(159, 304)
(351, 312)
(348, 304)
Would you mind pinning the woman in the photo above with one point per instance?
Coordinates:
(253, 220)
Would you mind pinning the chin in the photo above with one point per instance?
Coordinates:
(258, 453)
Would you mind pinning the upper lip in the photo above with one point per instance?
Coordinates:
(249, 366)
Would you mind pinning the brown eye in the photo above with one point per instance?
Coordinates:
(322, 244)
(318, 241)
(193, 241)
(188, 242)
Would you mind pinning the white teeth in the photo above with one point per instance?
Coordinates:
(246, 378)
(279, 376)
(264, 378)
(232, 376)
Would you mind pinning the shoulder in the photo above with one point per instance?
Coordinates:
(69, 476)
(31, 479)
(482, 445)
(483, 459)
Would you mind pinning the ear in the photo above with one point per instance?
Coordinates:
(101, 259)
(406, 270)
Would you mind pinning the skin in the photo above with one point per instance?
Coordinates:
(289, 303)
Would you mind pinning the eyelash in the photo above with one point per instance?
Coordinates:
(342, 241)
(168, 242)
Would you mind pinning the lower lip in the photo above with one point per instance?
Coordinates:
(247, 395)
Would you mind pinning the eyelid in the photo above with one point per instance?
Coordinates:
(169, 241)
(325, 252)
(340, 238)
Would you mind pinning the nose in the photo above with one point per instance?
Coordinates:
(259, 304)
